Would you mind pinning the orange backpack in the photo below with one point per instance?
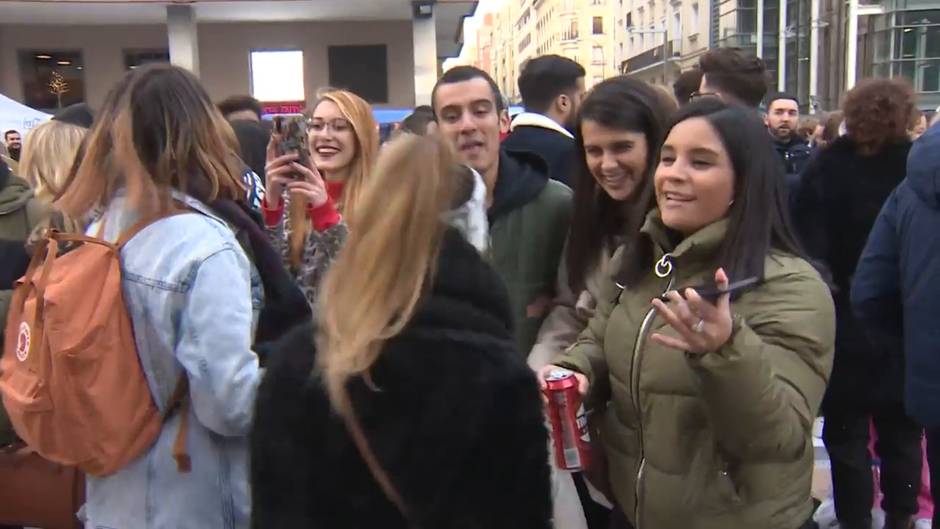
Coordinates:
(70, 375)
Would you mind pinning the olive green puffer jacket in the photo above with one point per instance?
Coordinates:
(722, 441)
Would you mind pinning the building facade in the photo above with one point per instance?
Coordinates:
(582, 30)
(904, 41)
(807, 45)
(657, 39)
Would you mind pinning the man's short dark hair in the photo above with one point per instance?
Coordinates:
(777, 96)
(460, 74)
(7, 134)
(234, 104)
(686, 84)
(736, 73)
(417, 122)
(545, 78)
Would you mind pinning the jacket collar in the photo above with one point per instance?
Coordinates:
(703, 244)
(127, 218)
(522, 176)
(531, 119)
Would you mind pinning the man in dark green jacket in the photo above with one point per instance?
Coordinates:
(20, 211)
(528, 213)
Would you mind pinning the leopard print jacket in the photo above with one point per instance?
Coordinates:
(320, 250)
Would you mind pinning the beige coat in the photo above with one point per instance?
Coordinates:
(570, 314)
(568, 318)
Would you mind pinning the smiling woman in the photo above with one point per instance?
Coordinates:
(343, 141)
(710, 406)
(618, 133)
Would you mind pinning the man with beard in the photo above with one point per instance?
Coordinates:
(552, 88)
(783, 121)
(14, 143)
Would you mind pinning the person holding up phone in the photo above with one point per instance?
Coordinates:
(711, 401)
(318, 185)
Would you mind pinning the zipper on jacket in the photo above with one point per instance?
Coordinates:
(663, 269)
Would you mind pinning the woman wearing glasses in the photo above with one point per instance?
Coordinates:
(343, 141)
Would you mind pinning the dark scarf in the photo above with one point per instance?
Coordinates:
(284, 304)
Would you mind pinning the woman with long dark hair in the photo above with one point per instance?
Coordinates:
(711, 400)
(619, 131)
(844, 189)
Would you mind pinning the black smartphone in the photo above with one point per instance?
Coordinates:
(710, 292)
(292, 139)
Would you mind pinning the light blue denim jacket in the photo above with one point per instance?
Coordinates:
(193, 302)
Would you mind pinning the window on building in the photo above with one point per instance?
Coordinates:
(52, 79)
(598, 25)
(135, 58)
(573, 30)
(277, 75)
(597, 55)
(676, 26)
(693, 23)
(911, 49)
(362, 70)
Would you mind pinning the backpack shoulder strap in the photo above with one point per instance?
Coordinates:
(378, 473)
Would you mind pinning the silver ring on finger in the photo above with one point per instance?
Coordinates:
(699, 327)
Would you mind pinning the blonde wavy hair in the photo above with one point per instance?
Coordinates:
(157, 131)
(376, 283)
(48, 154)
(358, 113)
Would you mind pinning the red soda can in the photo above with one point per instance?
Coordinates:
(570, 433)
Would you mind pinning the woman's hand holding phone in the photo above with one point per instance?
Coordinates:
(703, 326)
(286, 171)
(310, 184)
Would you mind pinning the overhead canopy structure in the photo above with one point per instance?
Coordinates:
(448, 14)
(19, 117)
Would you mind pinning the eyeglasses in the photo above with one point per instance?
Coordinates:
(336, 125)
(695, 96)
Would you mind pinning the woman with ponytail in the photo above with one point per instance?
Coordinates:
(405, 404)
(343, 140)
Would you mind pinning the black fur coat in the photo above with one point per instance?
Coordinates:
(457, 423)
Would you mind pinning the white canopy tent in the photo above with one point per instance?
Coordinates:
(19, 117)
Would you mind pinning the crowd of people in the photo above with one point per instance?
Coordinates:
(351, 334)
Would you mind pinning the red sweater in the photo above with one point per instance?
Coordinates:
(322, 218)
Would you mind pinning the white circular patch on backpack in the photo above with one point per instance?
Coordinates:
(23, 342)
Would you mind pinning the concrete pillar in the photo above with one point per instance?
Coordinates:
(851, 45)
(782, 47)
(813, 55)
(760, 28)
(183, 37)
(424, 37)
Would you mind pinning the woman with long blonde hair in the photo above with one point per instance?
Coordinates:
(48, 156)
(405, 404)
(343, 141)
(158, 155)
